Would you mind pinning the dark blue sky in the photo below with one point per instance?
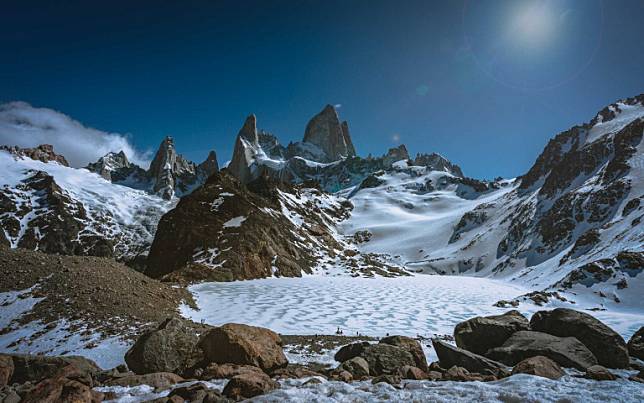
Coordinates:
(485, 83)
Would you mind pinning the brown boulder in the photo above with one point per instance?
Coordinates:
(34, 368)
(411, 345)
(415, 373)
(226, 371)
(6, 369)
(599, 373)
(461, 374)
(245, 386)
(351, 350)
(197, 392)
(158, 380)
(482, 333)
(452, 356)
(636, 344)
(245, 345)
(341, 375)
(539, 366)
(59, 388)
(358, 367)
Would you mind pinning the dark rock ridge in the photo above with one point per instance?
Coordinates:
(325, 131)
(44, 153)
(480, 334)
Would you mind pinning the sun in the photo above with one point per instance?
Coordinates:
(533, 24)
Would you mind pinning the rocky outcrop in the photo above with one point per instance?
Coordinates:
(43, 152)
(386, 359)
(607, 345)
(539, 366)
(411, 345)
(115, 167)
(35, 368)
(566, 351)
(6, 369)
(449, 356)
(244, 345)
(481, 334)
(326, 132)
(242, 165)
(636, 344)
(437, 162)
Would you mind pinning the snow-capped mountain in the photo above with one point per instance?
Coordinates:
(572, 223)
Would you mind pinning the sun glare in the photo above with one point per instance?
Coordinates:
(533, 25)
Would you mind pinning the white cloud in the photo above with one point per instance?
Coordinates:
(25, 126)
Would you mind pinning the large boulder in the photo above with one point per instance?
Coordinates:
(171, 347)
(386, 359)
(411, 345)
(158, 380)
(247, 385)
(606, 344)
(539, 366)
(482, 333)
(197, 392)
(245, 345)
(358, 367)
(450, 356)
(351, 350)
(34, 368)
(6, 369)
(636, 344)
(566, 351)
(599, 373)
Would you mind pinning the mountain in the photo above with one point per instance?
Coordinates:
(571, 224)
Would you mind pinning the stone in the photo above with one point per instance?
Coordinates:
(413, 346)
(358, 367)
(566, 351)
(6, 369)
(245, 345)
(59, 388)
(197, 393)
(246, 147)
(450, 356)
(599, 373)
(460, 374)
(325, 131)
(226, 371)
(351, 350)
(391, 379)
(539, 366)
(386, 359)
(482, 333)
(607, 345)
(34, 368)
(43, 152)
(169, 348)
(245, 386)
(415, 373)
(636, 344)
(341, 375)
(158, 380)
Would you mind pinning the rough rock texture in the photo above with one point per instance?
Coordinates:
(636, 344)
(158, 380)
(566, 351)
(326, 132)
(437, 162)
(115, 167)
(480, 334)
(172, 347)
(6, 369)
(245, 150)
(226, 371)
(351, 350)
(245, 386)
(539, 366)
(386, 359)
(197, 393)
(606, 344)
(411, 345)
(358, 367)
(43, 152)
(449, 356)
(599, 373)
(246, 345)
(409, 372)
(35, 368)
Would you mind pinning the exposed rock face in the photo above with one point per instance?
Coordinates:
(566, 351)
(35, 368)
(386, 359)
(246, 148)
(607, 345)
(116, 167)
(411, 345)
(172, 347)
(358, 367)
(449, 356)
(44, 153)
(636, 344)
(325, 131)
(480, 334)
(437, 162)
(6, 369)
(539, 366)
(245, 345)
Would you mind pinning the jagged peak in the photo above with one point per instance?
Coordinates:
(42, 152)
(249, 129)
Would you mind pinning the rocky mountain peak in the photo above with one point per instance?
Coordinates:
(437, 162)
(246, 148)
(43, 152)
(109, 164)
(249, 129)
(325, 131)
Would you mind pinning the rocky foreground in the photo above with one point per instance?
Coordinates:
(181, 359)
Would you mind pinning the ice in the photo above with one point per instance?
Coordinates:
(235, 222)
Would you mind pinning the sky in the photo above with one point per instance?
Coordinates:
(484, 83)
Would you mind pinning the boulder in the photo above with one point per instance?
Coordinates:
(34, 368)
(158, 380)
(226, 371)
(245, 345)
(461, 374)
(6, 369)
(450, 356)
(386, 359)
(566, 351)
(358, 367)
(197, 393)
(245, 386)
(482, 333)
(60, 388)
(411, 345)
(391, 379)
(636, 344)
(341, 375)
(351, 350)
(539, 366)
(607, 345)
(415, 373)
(599, 373)
(169, 348)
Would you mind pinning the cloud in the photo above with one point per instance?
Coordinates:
(25, 126)
(338, 106)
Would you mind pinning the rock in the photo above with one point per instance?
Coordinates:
(599, 373)
(169, 348)
(351, 350)
(415, 373)
(158, 380)
(43, 152)
(411, 345)
(607, 345)
(437, 162)
(341, 375)
(6, 369)
(539, 366)
(295, 371)
(482, 333)
(246, 345)
(639, 377)
(34, 368)
(450, 356)
(636, 344)
(566, 351)
(246, 148)
(245, 386)
(59, 388)
(387, 378)
(461, 374)
(358, 367)
(8, 395)
(434, 375)
(325, 131)
(226, 371)
(386, 359)
(197, 393)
